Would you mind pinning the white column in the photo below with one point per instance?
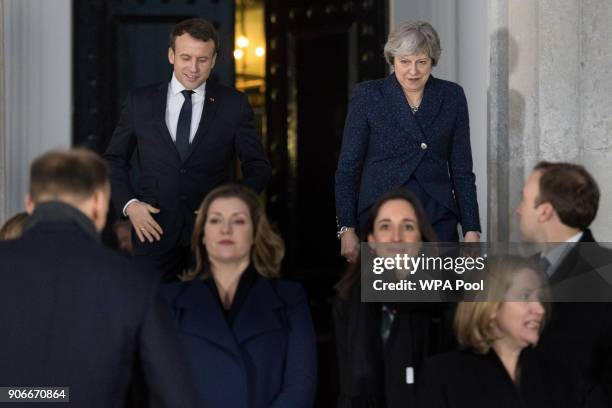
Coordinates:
(37, 87)
(3, 193)
(498, 101)
(472, 68)
(524, 103)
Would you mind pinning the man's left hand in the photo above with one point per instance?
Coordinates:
(472, 236)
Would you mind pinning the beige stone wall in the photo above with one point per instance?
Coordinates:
(559, 97)
(596, 104)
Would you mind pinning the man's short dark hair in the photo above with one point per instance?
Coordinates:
(198, 28)
(77, 173)
(572, 192)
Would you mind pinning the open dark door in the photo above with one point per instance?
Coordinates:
(316, 52)
(123, 44)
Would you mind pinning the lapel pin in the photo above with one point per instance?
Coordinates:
(211, 98)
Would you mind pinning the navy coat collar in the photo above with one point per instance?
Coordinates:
(428, 111)
(199, 314)
(60, 214)
(211, 103)
(570, 266)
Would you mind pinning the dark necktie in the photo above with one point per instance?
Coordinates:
(183, 128)
(544, 264)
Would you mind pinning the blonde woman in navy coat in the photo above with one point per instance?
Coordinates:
(408, 130)
(248, 336)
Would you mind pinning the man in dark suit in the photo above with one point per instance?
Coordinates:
(186, 134)
(74, 314)
(560, 200)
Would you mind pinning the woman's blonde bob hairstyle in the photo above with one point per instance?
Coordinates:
(268, 247)
(473, 319)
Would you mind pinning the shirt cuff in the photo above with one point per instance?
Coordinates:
(126, 206)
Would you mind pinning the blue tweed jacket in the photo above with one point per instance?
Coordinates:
(384, 145)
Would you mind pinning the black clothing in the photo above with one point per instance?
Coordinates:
(56, 211)
(580, 334)
(465, 379)
(75, 314)
(246, 282)
(376, 372)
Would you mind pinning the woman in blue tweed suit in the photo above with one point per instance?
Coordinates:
(408, 130)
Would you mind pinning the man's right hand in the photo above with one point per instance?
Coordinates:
(145, 226)
(349, 245)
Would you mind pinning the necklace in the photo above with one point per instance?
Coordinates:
(414, 108)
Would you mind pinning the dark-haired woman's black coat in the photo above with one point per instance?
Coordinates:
(376, 373)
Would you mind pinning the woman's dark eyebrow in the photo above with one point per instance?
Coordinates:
(388, 220)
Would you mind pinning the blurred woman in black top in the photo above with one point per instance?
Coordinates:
(381, 346)
(496, 367)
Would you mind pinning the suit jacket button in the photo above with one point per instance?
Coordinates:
(423, 146)
(183, 171)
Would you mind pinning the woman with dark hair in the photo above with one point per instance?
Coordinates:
(497, 329)
(381, 346)
(248, 336)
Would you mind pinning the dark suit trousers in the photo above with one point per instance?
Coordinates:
(169, 264)
(443, 221)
